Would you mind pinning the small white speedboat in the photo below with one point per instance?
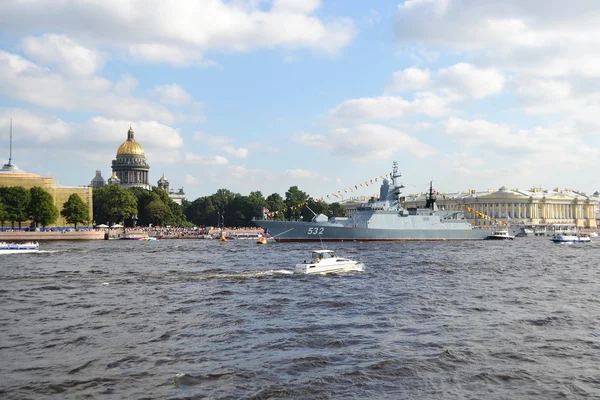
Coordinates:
(501, 234)
(19, 248)
(326, 262)
(569, 238)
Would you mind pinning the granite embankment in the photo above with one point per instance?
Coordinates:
(56, 235)
(99, 234)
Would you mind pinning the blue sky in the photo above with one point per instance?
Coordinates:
(262, 95)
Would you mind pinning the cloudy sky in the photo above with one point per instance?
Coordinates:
(265, 94)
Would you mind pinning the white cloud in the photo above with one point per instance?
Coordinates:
(409, 79)
(150, 134)
(239, 153)
(470, 80)
(172, 94)
(553, 40)
(461, 79)
(29, 126)
(214, 141)
(190, 180)
(69, 56)
(302, 174)
(366, 142)
(389, 107)
(160, 53)
(544, 145)
(181, 32)
(23, 80)
(192, 158)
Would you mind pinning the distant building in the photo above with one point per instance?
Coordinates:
(130, 165)
(11, 176)
(177, 197)
(520, 207)
(98, 180)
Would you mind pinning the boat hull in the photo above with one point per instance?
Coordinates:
(12, 248)
(329, 267)
(571, 239)
(292, 231)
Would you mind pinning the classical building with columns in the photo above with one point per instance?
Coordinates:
(520, 207)
(130, 166)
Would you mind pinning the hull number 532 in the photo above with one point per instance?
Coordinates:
(315, 231)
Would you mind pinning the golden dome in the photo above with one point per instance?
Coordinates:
(130, 146)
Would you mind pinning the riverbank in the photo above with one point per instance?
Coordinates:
(99, 234)
(40, 236)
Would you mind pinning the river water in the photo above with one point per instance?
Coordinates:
(178, 319)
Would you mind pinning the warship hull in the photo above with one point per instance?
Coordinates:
(297, 231)
(384, 219)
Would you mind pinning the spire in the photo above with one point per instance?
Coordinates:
(10, 166)
(10, 154)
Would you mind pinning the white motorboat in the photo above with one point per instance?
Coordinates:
(501, 234)
(326, 262)
(19, 248)
(570, 238)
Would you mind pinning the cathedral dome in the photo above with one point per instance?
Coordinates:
(130, 146)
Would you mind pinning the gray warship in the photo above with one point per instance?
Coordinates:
(383, 219)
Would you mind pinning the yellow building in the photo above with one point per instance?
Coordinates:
(519, 207)
(11, 176)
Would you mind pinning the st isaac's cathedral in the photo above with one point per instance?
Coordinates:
(130, 169)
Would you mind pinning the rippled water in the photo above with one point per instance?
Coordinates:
(204, 319)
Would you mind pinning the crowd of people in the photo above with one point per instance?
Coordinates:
(191, 233)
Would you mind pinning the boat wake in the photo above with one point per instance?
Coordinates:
(246, 274)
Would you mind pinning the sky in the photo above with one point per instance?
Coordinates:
(250, 95)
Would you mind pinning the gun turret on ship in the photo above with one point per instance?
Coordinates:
(383, 219)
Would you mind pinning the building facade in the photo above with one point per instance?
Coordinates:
(11, 176)
(519, 207)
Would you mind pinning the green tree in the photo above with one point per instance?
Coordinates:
(201, 212)
(276, 205)
(41, 210)
(295, 199)
(144, 198)
(336, 210)
(112, 204)
(75, 210)
(159, 213)
(16, 199)
(3, 213)
(221, 200)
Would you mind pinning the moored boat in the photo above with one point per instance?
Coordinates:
(500, 234)
(571, 238)
(326, 262)
(19, 248)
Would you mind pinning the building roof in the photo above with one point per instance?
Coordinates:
(130, 146)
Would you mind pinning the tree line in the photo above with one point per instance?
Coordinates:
(36, 205)
(137, 206)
